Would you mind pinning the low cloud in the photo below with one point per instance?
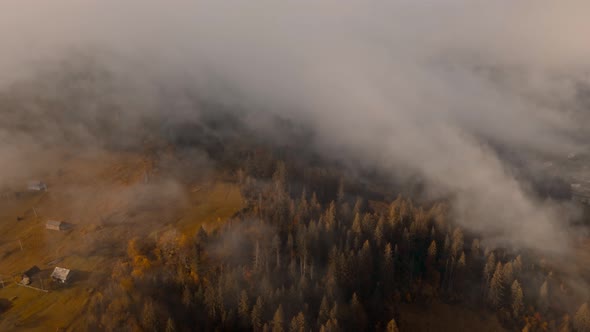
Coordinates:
(436, 88)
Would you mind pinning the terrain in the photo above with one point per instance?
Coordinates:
(108, 200)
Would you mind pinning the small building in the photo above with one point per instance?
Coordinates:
(61, 274)
(56, 225)
(36, 186)
(28, 275)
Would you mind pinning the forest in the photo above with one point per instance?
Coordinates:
(314, 250)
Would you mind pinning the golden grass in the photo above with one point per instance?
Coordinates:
(98, 193)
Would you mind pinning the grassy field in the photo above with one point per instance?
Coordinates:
(107, 200)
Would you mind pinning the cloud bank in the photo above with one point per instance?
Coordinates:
(434, 87)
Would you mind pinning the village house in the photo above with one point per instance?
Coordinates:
(28, 275)
(55, 225)
(61, 274)
(36, 186)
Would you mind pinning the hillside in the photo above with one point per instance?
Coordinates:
(108, 198)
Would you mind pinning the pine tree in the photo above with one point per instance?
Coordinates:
(496, 292)
(256, 314)
(517, 266)
(329, 217)
(257, 259)
(324, 313)
(148, 317)
(170, 327)
(379, 232)
(432, 253)
(489, 267)
(276, 246)
(278, 320)
(517, 299)
(298, 323)
(387, 268)
(279, 177)
(392, 326)
(358, 314)
(565, 325)
(243, 306)
(582, 319)
(508, 274)
(544, 297)
(447, 244)
(458, 242)
(356, 224)
(462, 263)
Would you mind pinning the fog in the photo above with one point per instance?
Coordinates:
(433, 87)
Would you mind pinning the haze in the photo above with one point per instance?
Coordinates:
(430, 87)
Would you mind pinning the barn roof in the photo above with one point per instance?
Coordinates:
(60, 273)
(54, 223)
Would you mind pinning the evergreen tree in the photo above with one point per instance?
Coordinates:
(387, 268)
(517, 299)
(298, 323)
(148, 316)
(170, 327)
(329, 217)
(447, 245)
(544, 297)
(358, 314)
(392, 326)
(324, 313)
(489, 268)
(431, 258)
(276, 246)
(582, 319)
(508, 274)
(256, 315)
(243, 306)
(379, 232)
(356, 224)
(496, 291)
(458, 241)
(517, 266)
(278, 320)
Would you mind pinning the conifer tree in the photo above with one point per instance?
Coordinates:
(324, 313)
(496, 291)
(392, 326)
(356, 224)
(276, 246)
(432, 251)
(170, 327)
(243, 306)
(458, 241)
(298, 323)
(508, 274)
(517, 299)
(278, 320)
(544, 296)
(488, 269)
(148, 318)
(387, 266)
(517, 266)
(256, 315)
(582, 319)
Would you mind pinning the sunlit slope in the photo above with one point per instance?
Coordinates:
(108, 198)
